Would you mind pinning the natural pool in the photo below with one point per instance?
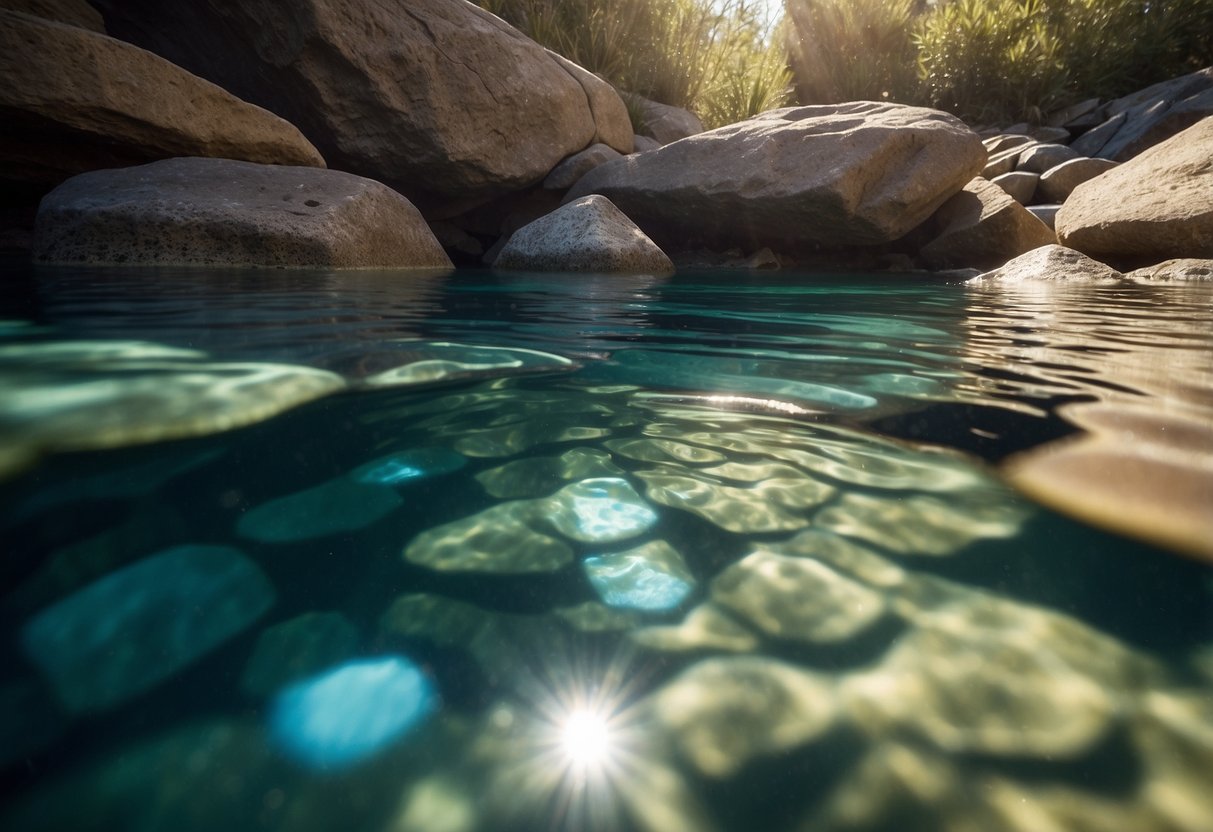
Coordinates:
(721, 551)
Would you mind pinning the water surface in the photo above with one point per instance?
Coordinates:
(727, 550)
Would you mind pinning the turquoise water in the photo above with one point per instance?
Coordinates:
(473, 552)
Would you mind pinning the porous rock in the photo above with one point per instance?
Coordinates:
(1155, 206)
(983, 226)
(855, 174)
(222, 212)
(75, 100)
(440, 100)
(587, 235)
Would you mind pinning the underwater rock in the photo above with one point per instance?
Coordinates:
(596, 617)
(537, 475)
(923, 524)
(775, 504)
(587, 235)
(599, 510)
(663, 450)
(437, 361)
(706, 627)
(722, 713)
(843, 554)
(339, 505)
(136, 627)
(86, 395)
(346, 715)
(507, 538)
(980, 674)
(296, 648)
(651, 577)
(796, 598)
(407, 466)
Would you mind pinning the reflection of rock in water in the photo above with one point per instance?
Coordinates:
(1144, 355)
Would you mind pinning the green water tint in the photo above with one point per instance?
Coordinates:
(600, 598)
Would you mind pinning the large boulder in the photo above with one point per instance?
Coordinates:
(75, 100)
(73, 12)
(438, 99)
(1145, 118)
(855, 174)
(218, 212)
(587, 235)
(1155, 206)
(983, 227)
(1049, 262)
(662, 122)
(1057, 183)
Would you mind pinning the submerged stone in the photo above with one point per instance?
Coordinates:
(508, 538)
(534, 476)
(86, 395)
(296, 648)
(136, 627)
(599, 510)
(339, 505)
(797, 598)
(406, 466)
(724, 713)
(773, 505)
(352, 712)
(706, 627)
(651, 577)
(436, 361)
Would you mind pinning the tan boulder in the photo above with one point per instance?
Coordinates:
(1020, 185)
(1155, 206)
(1057, 183)
(219, 212)
(1184, 268)
(983, 226)
(855, 174)
(438, 99)
(75, 100)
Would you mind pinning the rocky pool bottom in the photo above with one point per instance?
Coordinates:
(472, 552)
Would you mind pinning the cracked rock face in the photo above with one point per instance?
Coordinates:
(218, 212)
(442, 101)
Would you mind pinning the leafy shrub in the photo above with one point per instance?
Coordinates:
(714, 57)
(849, 50)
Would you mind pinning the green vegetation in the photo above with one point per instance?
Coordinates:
(714, 57)
(993, 60)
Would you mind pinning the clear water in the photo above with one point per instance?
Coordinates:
(720, 551)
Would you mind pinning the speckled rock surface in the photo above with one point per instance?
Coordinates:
(983, 226)
(1051, 262)
(587, 235)
(72, 12)
(1155, 206)
(75, 100)
(212, 212)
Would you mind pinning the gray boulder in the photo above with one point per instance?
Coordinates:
(983, 227)
(1155, 206)
(587, 235)
(1143, 119)
(566, 174)
(1050, 262)
(645, 143)
(664, 123)
(75, 100)
(855, 174)
(440, 100)
(218, 212)
(1068, 115)
(1057, 183)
